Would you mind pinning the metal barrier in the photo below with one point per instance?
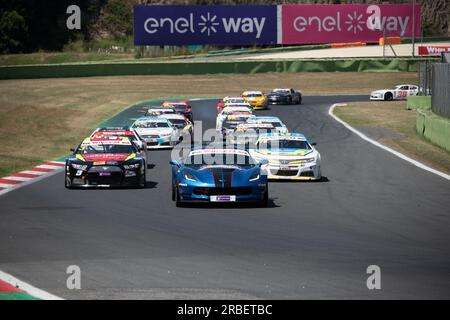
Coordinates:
(440, 87)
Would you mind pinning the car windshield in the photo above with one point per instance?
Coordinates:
(178, 122)
(132, 137)
(105, 148)
(253, 95)
(283, 144)
(282, 91)
(150, 124)
(219, 159)
(237, 100)
(179, 107)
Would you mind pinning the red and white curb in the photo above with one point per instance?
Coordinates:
(10, 283)
(17, 180)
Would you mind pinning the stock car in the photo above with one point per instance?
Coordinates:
(230, 123)
(219, 175)
(105, 162)
(274, 121)
(246, 134)
(230, 110)
(290, 156)
(229, 100)
(123, 132)
(155, 111)
(180, 122)
(182, 107)
(256, 99)
(399, 92)
(284, 96)
(157, 132)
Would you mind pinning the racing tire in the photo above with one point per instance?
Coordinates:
(67, 183)
(178, 202)
(173, 192)
(265, 201)
(143, 180)
(388, 96)
(289, 100)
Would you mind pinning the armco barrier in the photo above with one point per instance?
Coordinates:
(434, 128)
(418, 102)
(179, 68)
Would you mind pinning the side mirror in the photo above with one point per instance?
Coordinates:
(263, 162)
(175, 163)
(314, 144)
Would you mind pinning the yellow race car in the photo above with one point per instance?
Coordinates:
(256, 99)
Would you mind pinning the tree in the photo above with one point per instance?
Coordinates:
(13, 32)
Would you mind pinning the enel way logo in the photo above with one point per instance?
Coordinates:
(187, 25)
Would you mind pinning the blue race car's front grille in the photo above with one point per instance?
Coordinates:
(236, 191)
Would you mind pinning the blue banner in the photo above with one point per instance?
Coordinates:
(215, 25)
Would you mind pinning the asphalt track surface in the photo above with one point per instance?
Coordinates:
(314, 241)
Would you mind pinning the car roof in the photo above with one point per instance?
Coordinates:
(251, 92)
(282, 89)
(173, 116)
(152, 119)
(257, 118)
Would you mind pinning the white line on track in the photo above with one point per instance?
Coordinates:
(17, 178)
(28, 288)
(39, 173)
(379, 145)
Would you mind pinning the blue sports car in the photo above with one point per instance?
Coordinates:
(219, 175)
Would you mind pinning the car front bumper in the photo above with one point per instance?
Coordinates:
(298, 172)
(205, 193)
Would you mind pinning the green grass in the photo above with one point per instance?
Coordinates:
(395, 117)
(59, 57)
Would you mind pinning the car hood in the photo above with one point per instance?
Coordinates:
(103, 157)
(223, 176)
(285, 152)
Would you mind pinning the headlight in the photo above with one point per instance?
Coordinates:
(308, 160)
(254, 176)
(79, 166)
(189, 176)
(132, 166)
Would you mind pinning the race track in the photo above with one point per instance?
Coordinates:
(314, 241)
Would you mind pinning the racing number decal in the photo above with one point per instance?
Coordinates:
(402, 93)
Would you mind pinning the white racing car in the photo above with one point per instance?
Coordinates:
(157, 132)
(274, 121)
(231, 110)
(399, 92)
(290, 156)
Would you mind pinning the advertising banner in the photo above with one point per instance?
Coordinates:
(433, 50)
(215, 25)
(314, 24)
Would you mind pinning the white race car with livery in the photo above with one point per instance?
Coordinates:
(290, 156)
(157, 132)
(399, 92)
